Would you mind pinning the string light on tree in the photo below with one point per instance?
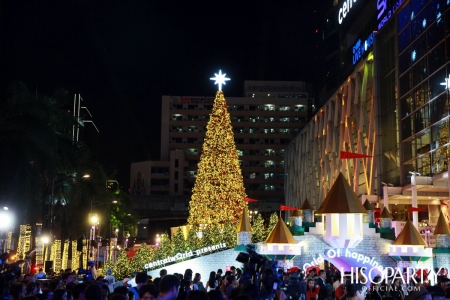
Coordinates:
(218, 194)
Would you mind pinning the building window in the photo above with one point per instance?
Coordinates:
(252, 175)
(240, 153)
(269, 187)
(176, 175)
(176, 163)
(175, 187)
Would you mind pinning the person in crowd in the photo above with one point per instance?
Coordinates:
(238, 274)
(32, 288)
(117, 296)
(111, 279)
(140, 279)
(312, 290)
(67, 278)
(420, 294)
(123, 290)
(48, 295)
(357, 291)
(197, 295)
(168, 287)
(231, 283)
(321, 283)
(148, 292)
(27, 278)
(219, 276)
(105, 290)
(61, 294)
(340, 293)
(376, 288)
(198, 285)
(397, 291)
(17, 291)
(40, 274)
(162, 273)
(131, 295)
(336, 281)
(93, 292)
(215, 294)
(78, 291)
(212, 282)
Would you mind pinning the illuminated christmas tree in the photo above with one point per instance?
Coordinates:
(192, 242)
(211, 235)
(259, 233)
(140, 258)
(219, 193)
(178, 242)
(164, 248)
(272, 222)
(229, 236)
(121, 268)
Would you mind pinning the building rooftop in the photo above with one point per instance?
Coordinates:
(441, 226)
(280, 234)
(306, 205)
(367, 205)
(385, 214)
(341, 199)
(409, 236)
(244, 223)
(295, 213)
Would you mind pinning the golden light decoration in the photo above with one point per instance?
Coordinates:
(9, 241)
(56, 255)
(85, 253)
(218, 194)
(65, 256)
(75, 255)
(24, 241)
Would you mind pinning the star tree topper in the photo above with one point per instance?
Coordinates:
(220, 79)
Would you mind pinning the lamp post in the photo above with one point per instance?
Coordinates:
(45, 240)
(93, 219)
(253, 214)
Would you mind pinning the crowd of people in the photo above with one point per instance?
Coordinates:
(231, 285)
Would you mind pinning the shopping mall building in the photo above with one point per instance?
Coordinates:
(389, 102)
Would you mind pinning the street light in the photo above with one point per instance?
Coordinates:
(6, 222)
(158, 239)
(93, 219)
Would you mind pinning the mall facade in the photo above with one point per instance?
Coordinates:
(391, 104)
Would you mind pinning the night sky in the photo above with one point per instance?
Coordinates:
(121, 56)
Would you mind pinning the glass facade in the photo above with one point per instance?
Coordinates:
(423, 46)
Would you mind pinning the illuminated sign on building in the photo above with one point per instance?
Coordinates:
(361, 47)
(344, 10)
(385, 13)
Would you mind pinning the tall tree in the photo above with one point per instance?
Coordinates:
(218, 194)
(121, 268)
(140, 258)
(272, 222)
(192, 241)
(164, 248)
(258, 230)
(179, 244)
(229, 234)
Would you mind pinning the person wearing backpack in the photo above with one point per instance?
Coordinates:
(141, 279)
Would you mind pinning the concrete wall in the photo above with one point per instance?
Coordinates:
(312, 245)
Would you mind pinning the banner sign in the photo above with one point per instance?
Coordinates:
(186, 254)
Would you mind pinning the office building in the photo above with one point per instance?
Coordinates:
(392, 107)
